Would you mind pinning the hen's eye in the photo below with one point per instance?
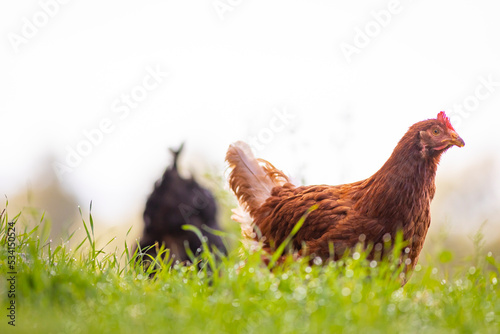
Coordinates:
(435, 132)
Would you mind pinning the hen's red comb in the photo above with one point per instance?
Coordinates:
(445, 119)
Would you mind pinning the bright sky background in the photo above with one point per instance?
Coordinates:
(231, 65)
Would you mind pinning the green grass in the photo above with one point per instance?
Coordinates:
(90, 289)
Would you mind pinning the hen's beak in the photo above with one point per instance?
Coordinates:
(455, 139)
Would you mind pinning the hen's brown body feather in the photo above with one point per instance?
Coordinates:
(397, 197)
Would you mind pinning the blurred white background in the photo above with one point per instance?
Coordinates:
(346, 78)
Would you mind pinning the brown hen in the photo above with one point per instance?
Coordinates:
(396, 197)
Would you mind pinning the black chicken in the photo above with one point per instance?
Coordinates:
(174, 202)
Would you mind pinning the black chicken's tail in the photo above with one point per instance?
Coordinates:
(176, 154)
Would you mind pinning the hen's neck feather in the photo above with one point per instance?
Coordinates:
(404, 186)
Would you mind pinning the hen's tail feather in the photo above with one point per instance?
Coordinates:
(251, 179)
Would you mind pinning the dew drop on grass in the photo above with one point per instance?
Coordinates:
(356, 256)
(472, 270)
(434, 271)
(308, 269)
(397, 295)
(136, 310)
(485, 305)
(290, 316)
(405, 305)
(318, 261)
(349, 273)
(430, 301)
(284, 277)
(311, 306)
(299, 293)
(386, 237)
(373, 264)
(494, 281)
(346, 291)
(490, 316)
(418, 267)
(356, 297)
